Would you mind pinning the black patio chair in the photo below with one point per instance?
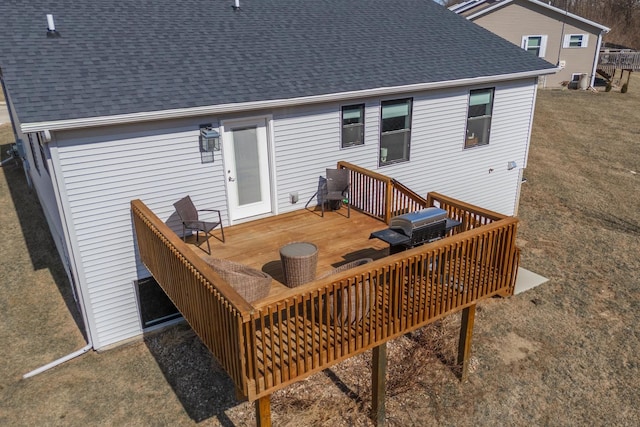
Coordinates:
(337, 189)
(190, 220)
(334, 189)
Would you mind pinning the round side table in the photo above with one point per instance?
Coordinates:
(299, 261)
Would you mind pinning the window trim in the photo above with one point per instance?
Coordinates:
(406, 130)
(469, 141)
(543, 43)
(584, 41)
(352, 125)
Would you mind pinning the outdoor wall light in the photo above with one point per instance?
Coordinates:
(511, 165)
(209, 139)
(209, 142)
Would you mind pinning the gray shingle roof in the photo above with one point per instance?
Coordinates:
(119, 57)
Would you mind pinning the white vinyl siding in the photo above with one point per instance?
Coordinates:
(438, 161)
(575, 40)
(159, 162)
(102, 174)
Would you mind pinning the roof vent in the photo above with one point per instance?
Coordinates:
(51, 27)
(236, 5)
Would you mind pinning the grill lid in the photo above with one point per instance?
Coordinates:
(409, 222)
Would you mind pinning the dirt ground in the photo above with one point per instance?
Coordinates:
(564, 353)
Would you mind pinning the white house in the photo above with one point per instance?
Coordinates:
(109, 99)
(556, 35)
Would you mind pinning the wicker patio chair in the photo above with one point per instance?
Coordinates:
(341, 299)
(190, 220)
(250, 283)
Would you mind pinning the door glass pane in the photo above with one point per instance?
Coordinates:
(245, 148)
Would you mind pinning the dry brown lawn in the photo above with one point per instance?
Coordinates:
(565, 353)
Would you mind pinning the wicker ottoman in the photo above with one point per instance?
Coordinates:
(299, 261)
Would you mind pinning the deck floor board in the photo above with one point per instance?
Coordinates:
(257, 243)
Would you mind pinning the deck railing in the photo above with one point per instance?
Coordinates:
(266, 347)
(291, 339)
(215, 311)
(619, 60)
(380, 196)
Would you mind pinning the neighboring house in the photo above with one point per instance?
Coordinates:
(110, 106)
(562, 38)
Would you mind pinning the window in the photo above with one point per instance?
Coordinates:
(479, 117)
(535, 44)
(395, 131)
(575, 40)
(155, 306)
(33, 153)
(352, 125)
(42, 151)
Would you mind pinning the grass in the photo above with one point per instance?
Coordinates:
(564, 353)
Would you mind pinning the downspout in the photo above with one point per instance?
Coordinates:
(84, 318)
(73, 271)
(597, 58)
(57, 362)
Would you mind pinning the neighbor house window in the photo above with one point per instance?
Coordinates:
(535, 44)
(42, 152)
(33, 152)
(395, 131)
(352, 125)
(575, 40)
(479, 117)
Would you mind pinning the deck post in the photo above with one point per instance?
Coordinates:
(378, 383)
(263, 411)
(464, 344)
(388, 202)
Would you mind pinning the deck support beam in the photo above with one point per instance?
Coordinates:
(378, 384)
(263, 411)
(464, 344)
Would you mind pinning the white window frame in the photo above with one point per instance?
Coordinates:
(471, 138)
(404, 132)
(344, 127)
(584, 41)
(543, 43)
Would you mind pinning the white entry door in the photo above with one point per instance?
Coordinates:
(245, 146)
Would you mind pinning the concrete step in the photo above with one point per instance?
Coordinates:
(527, 280)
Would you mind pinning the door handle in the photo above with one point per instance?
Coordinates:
(231, 179)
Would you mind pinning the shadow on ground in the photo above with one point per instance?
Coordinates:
(37, 237)
(200, 383)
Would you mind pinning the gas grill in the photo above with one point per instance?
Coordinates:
(415, 228)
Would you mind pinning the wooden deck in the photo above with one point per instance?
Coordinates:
(610, 61)
(339, 240)
(293, 333)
